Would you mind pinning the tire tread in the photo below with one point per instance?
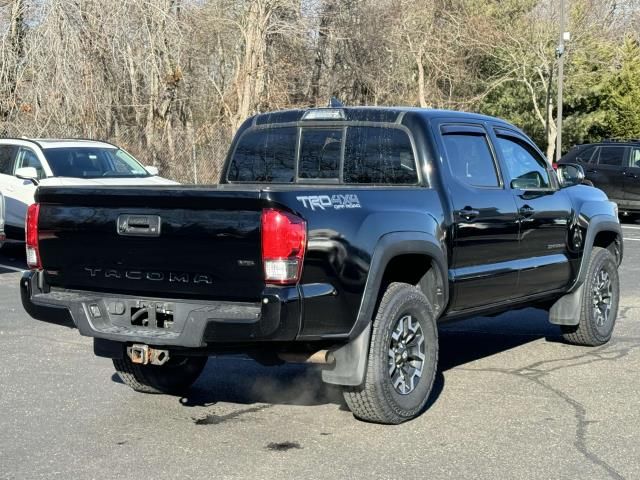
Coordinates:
(365, 401)
(584, 333)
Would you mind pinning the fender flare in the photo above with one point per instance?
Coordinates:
(566, 310)
(351, 359)
(597, 224)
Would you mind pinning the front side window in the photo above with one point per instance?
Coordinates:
(613, 156)
(584, 156)
(28, 158)
(526, 167)
(470, 159)
(91, 162)
(634, 160)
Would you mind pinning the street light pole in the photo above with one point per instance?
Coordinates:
(560, 53)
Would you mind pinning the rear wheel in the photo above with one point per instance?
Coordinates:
(174, 377)
(599, 304)
(403, 357)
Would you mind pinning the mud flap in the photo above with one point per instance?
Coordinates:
(566, 310)
(350, 361)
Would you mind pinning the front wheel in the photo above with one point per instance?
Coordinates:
(402, 362)
(599, 303)
(174, 377)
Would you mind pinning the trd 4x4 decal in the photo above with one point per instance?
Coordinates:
(337, 202)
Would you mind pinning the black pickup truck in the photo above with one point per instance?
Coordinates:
(337, 236)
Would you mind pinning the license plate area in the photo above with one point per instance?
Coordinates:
(152, 314)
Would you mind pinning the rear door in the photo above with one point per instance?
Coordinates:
(544, 212)
(606, 170)
(485, 229)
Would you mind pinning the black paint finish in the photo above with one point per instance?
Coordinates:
(209, 249)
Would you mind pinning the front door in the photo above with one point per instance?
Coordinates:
(544, 214)
(485, 227)
(18, 193)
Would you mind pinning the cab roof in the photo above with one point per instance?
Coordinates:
(368, 114)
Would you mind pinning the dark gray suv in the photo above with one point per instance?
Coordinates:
(614, 167)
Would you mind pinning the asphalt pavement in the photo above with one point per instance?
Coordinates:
(511, 400)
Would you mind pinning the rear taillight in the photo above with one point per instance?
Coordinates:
(31, 235)
(284, 239)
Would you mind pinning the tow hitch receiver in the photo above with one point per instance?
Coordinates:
(144, 354)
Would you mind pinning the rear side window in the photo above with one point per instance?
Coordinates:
(470, 159)
(7, 154)
(265, 155)
(611, 156)
(379, 155)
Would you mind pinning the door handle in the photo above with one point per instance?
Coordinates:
(526, 211)
(468, 213)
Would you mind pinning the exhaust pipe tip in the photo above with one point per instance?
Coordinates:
(321, 357)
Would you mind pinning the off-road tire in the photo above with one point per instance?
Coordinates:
(174, 377)
(588, 332)
(377, 400)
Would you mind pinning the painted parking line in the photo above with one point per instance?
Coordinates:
(625, 227)
(632, 239)
(9, 267)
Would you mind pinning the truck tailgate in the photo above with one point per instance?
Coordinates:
(172, 242)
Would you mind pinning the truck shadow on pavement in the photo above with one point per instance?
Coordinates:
(12, 255)
(243, 381)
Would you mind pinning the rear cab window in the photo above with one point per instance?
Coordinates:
(346, 154)
(265, 155)
(320, 153)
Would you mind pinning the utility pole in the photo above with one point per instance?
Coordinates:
(560, 54)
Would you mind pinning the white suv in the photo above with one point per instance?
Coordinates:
(2, 237)
(26, 163)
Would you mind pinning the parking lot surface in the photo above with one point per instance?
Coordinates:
(510, 401)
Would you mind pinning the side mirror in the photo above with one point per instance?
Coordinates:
(152, 170)
(570, 174)
(528, 181)
(28, 173)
